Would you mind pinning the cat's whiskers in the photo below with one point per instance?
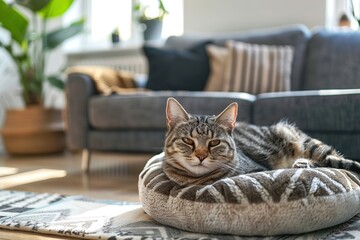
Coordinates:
(176, 160)
(228, 166)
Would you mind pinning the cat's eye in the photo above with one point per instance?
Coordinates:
(214, 143)
(188, 141)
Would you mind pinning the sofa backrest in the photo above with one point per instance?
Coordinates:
(333, 60)
(294, 35)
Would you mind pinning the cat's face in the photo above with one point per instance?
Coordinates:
(198, 145)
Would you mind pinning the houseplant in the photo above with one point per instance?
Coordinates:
(355, 10)
(150, 15)
(34, 129)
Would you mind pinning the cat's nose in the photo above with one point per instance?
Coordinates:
(201, 155)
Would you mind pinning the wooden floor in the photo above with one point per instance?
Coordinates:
(112, 176)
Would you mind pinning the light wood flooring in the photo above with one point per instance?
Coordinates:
(112, 176)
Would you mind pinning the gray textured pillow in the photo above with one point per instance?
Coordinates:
(286, 201)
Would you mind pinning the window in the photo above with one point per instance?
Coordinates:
(335, 9)
(107, 15)
(104, 16)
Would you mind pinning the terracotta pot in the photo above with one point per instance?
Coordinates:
(33, 130)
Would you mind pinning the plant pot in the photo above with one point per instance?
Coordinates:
(115, 38)
(33, 130)
(152, 29)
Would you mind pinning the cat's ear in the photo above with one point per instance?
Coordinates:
(228, 117)
(175, 113)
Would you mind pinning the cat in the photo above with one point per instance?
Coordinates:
(203, 149)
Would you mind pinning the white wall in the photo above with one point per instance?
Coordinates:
(235, 15)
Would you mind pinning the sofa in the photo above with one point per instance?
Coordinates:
(324, 100)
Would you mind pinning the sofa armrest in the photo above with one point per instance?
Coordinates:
(79, 88)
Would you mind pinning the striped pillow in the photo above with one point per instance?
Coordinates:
(255, 69)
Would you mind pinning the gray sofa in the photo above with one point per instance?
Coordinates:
(324, 101)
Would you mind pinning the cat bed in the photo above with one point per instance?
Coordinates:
(285, 201)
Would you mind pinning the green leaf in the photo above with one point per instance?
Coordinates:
(33, 5)
(56, 82)
(137, 7)
(56, 8)
(162, 8)
(13, 21)
(21, 57)
(55, 38)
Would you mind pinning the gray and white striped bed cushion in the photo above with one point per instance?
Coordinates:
(287, 201)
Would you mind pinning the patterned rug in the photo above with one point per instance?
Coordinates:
(79, 217)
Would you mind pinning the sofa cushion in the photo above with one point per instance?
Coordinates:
(321, 111)
(333, 60)
(147, 110)
(295, 36)
(127, 141)
(169, 69)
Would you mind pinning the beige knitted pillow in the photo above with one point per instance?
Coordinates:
(286, 201)
(217, 59)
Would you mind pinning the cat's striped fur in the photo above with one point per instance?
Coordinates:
(203, 149)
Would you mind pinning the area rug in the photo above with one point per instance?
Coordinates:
(79, 217)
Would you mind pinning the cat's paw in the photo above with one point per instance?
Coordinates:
(303, 163)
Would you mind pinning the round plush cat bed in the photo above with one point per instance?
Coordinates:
(286, 201)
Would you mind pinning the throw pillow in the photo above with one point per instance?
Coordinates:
(251, 68)
(171, 69)
(255, 69)
(217, 58)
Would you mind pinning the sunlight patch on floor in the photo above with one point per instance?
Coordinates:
(30, 177)
(7, 171)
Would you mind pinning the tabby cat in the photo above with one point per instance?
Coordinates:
(203, 149)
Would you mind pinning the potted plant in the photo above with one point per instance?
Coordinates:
(115, 36)
(150, 16)
(34, 129)
(355, 11)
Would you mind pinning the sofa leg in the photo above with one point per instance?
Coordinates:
(85, 164)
